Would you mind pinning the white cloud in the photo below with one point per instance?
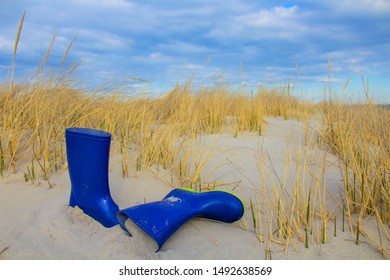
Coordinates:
(98, 39)
(103, 3)
(6, 46)
(276, 17)
(184, 47)
(275, 23)
(153, 58)
(190, 66)
(364, 6)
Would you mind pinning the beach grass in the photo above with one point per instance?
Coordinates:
(358, 133)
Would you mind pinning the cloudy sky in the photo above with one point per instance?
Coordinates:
(243, 43)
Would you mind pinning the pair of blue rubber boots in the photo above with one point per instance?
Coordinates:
(88, 160)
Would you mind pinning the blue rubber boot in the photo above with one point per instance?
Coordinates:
(161, 219)
(88, 155)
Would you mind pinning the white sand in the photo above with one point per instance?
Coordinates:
(37, 223)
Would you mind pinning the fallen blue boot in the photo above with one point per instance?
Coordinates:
(161, 219)
(88, 155)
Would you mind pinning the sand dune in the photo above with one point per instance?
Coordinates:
(37, 223)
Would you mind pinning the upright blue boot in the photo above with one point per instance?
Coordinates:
(161, 219)
(88, 155)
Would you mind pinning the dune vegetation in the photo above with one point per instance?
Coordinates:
(157, 132)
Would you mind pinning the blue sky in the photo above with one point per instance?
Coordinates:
(247, 43)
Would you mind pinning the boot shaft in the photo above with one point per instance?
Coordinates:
(88, 152)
